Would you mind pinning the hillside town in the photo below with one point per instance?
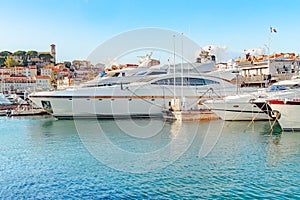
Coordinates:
(33, 70)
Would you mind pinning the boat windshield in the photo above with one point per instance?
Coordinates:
(273, 88)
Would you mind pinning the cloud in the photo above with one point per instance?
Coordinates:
(255, 51)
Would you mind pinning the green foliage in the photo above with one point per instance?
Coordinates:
(2, 60)
(45, 57)
(10, 62)
(32, 53)
(20, 53)
(5, 53)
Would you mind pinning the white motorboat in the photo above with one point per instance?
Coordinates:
(4, 100)
(286, 110)
(250, 106)
(236, 108)
(143, 96)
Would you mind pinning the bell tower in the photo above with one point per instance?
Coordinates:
(53, 52)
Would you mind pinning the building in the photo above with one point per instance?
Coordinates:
(18, 83)
(46, 70)
(4, 73)
(263, 65)
(42, 82)
(30, 71)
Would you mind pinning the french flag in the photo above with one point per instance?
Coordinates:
(273, 30)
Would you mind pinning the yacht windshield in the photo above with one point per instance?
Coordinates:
(141, 73)
(273, 88)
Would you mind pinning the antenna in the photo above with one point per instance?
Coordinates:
(169, 66)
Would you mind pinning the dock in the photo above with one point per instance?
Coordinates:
(16, 110)
(190, 115)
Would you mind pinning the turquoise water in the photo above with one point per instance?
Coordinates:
(44, 158)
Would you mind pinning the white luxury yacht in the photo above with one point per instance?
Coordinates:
(144, 96)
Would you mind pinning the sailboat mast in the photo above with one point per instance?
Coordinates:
(174, 69)
(181, 65)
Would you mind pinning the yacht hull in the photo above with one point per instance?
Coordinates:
(94, 107)
(237, 108)
(287, 114)
(106, 104)
(238, 112)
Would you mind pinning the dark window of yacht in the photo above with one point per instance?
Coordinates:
(178, 80)
(186, 81)
(163, 82)
(196, 81)
(156, 73)
(116, 75)
(208, 82)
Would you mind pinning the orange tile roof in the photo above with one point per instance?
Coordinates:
(15, 78)
(43, 77)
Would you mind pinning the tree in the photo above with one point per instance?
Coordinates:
(5, 53)
(67, 64)
(22, 56)
(53, 80)
(10, 62)
(2, 60)
(28, 55)
(45, 57)
(20, 53)
(32, 53)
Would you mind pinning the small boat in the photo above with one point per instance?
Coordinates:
(18, 111)
(287, 112)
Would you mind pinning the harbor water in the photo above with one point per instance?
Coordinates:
(45, 158)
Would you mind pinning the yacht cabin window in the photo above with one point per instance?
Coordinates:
(186, 81)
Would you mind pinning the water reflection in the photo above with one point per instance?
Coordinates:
(143, 145)
(135, 150)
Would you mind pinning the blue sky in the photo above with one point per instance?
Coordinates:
(77, 27)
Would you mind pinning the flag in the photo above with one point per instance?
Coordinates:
(273, 30)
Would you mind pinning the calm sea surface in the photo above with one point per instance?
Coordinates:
(44, 158)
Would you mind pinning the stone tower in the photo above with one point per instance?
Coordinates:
(52, 52)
